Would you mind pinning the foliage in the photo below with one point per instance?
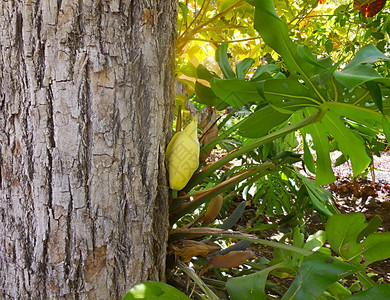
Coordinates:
(154, 290)
(327, 27)
(336, 98)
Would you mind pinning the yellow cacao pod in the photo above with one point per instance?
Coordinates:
(182, 156)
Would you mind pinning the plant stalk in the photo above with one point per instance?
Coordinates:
(210, 294)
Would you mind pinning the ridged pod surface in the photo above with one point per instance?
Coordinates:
(182, 156)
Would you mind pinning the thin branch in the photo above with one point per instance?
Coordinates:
(220, 42)
(208, 231)
(217, 28)
(184, 37)
(197, 280)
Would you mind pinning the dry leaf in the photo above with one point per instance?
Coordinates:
(186, 249)
(232, 259)
(213, 209)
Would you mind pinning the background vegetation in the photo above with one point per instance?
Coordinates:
(277, 87)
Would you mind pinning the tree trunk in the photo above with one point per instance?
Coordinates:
(86, 104)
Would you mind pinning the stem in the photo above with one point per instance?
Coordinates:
(204, 8)
(177, 234)
(220, 42)
(227, 118)
(366, 281)
(355, 107)
(219, 28)
(210, 294)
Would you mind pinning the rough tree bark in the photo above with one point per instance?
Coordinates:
(86, 103)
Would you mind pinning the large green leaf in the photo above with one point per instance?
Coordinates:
(154, 290)
(358, 75)
(339, 98)
(274, 32)
(264, 72)
(251, 287)
(359, 70)
(368, 54)
(344, 233)
(236, 92)
(348, 142)
(261, 122)
(315, 241)
(223, 61)
(351, 144)
(289, 95)
(316, 273)
(324, 171)
(376, 94)
(307, 157)
(243, 66)
(314, 83)
(206, 95)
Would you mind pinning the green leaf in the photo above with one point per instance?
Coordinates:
(338, 291)
(320, 198)
(324, 172)
(348, 142)
(308, 158)
(251, 287)
(359, 74)
(315, 241)
(243, 66)
(184, 10)
(375, 93)
(189, 70)
(365, 280)
(264, 70)
(223, 61)
(304, 52)
(372, 226)
(329, 45)
(289, 95)
(361, 115)
(236, 92)
(343, 233)
(203, 73)
(274, 32)
(317, 272)
(386, 127)
(261, 122)
(206, 95)
(234, 217)
(225, 4)
(366, 55)
(154, 290)
(377, 292)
